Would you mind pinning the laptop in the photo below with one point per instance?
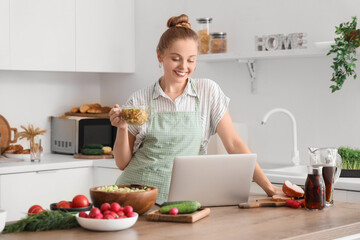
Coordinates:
(212, 180)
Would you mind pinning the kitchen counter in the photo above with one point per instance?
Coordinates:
(229, 223)
(53, 161)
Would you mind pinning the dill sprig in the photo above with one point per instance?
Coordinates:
(43, 221)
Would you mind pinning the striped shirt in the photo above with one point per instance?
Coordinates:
(213, 105)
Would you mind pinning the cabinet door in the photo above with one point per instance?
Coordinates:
(4, 35)
(42, 35)
(105, 176)
(105, 36)
(18, 192)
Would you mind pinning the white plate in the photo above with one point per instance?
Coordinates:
(106, 224)
(19, 156)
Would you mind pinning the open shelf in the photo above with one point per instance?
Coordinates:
(261, 55)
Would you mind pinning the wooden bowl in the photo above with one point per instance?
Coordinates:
(140, 201)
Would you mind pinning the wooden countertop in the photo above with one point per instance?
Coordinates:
(229, 223)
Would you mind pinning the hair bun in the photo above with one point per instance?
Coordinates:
(180, 21)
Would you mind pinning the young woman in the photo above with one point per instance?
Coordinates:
(183, 114)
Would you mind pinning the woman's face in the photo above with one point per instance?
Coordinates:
(179, 60)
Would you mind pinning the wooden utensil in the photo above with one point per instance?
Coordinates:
(267, 202)
(5, 131)
(184, 218)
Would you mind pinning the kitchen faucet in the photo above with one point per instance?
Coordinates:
(295, 158)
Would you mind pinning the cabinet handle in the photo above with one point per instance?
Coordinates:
(45, 172)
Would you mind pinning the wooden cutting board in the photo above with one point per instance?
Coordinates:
(5, 131)
(98, 115)
(83, 156)
(184, 218)
(266, 202)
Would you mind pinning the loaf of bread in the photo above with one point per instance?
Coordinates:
(91, 108)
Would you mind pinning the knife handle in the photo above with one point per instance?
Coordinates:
(249, 205)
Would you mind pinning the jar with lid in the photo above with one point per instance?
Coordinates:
(204, 34)
(314, 189)
(218, 42)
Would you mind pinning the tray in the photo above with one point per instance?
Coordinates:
(83, 156)
(184, 218)
(350, 173)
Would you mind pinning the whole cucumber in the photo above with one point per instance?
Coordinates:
(93, 146)
(179, 202)
(188, 207)
(92, 151)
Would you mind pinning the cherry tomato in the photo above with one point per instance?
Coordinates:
(35, 209)
(80, 201)
(63, 204)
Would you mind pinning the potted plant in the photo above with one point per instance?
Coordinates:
(350, 162)
(346, 42)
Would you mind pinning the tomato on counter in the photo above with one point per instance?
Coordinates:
(35, 209)
(80, 201)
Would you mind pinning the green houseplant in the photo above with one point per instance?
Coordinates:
(346, 42)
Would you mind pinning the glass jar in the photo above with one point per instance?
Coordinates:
(218, 42)
(314, 189)
(204, 34)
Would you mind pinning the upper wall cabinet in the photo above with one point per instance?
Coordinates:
(105, 36)
(42, 35)
(4, 35)
(67, 35)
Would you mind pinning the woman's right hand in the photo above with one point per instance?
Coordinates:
(115, 117)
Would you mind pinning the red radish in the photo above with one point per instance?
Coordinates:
(109, 216)
(128, 209)
(302, 203)
(173, 211)
(131, 214)
(120, 213)
(113, 214)
(121, 209)
(107, 212)
(83, 215)
(115, 207)
(105, 206)
(295, 204)
(92, 215)
(289, 203)
(99, 216)
(292, 190)
(95, 210)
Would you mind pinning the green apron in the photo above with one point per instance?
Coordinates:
(170, 134)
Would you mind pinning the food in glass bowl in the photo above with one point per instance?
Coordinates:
(134, 115)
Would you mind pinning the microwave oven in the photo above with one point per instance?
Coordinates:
(68, 135)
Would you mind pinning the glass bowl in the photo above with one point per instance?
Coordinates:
(134, 115)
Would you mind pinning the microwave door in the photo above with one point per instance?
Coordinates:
(95, 131)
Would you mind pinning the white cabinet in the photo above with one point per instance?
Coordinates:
(105, 176)
(105, 36)
(42, 35)
(4, 35)
(18, 192)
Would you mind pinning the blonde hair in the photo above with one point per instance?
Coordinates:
(179, 27)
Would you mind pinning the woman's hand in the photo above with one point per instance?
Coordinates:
(275, 191)
(115, 117)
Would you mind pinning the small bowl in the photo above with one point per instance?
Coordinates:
(140, 201)
(134, 115)
(2, 219)
(106, 224)
(88, 208)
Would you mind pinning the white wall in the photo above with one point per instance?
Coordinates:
(31, 97)
(301, 85)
